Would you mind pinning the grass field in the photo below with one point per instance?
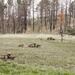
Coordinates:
(52, 58)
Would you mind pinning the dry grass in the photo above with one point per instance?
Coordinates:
(51, 55)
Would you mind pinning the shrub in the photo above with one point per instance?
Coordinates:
(71, 31)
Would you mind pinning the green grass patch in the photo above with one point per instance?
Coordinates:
(7, 68)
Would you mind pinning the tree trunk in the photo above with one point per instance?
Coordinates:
(33, 15)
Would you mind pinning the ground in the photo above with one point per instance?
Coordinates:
(57, 36)
(52, 58)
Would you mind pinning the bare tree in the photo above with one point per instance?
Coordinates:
(2, 7)
(10, 4)
(66, 15)
(61, 23)
(70, 15)
(33, 16)
(55, 5)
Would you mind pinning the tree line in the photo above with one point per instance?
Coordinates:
(19, 16)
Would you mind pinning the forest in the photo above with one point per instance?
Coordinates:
(21, 16)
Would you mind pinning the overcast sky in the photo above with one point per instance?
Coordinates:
(62, 1)
(37, 1)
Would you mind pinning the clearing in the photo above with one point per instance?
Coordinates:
(52, 58)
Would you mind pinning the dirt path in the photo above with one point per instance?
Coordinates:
(35, 36)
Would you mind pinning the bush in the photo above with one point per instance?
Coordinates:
(71, 31)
